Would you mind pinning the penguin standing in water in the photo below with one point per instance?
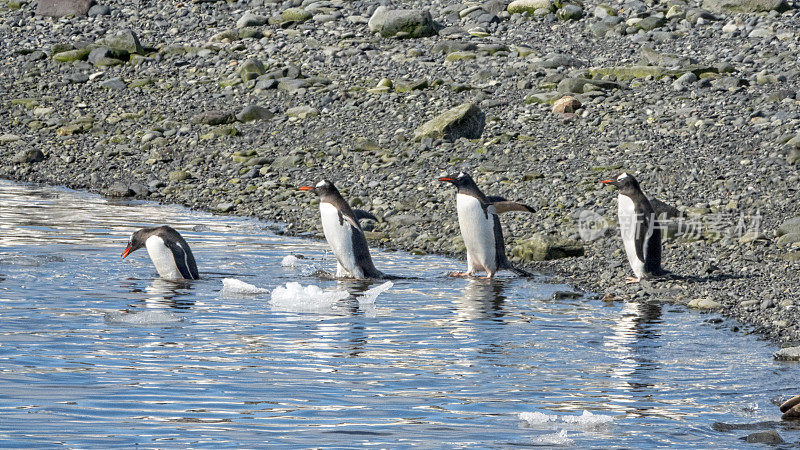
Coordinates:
(343, 233)
(640, 233)
(168, 250)
(480, 227)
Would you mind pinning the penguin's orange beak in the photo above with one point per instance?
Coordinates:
(447, 179)
(306, 188)
(126, 252)
(607, 181)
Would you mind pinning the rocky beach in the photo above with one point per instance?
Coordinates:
(229, 106)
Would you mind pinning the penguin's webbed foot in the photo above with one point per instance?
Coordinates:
(459, 274)
(631, 280)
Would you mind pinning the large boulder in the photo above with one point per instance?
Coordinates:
(251, 69)
(123, 41)
(529, 6)
(409, 23)
(542, 248)
(249, 19)
(60, 8)
(465, 120)
(745, 6)
(790, 226)
(254, 112)
(32, 155)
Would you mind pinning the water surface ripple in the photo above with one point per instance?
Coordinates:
(97, 352)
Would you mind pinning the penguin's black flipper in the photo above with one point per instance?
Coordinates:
(183, 260)
(361, 214)
(502, 205)
(506, 206)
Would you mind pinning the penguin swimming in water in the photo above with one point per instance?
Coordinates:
(640, 234)
(167, 249)
(342, 229)
(480, 227)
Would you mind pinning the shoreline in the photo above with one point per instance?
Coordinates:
(229, 107)
(646, 291)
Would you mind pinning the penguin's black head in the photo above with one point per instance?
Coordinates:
(462, 180)
(323, 188)
(626, 184)
(136, 241)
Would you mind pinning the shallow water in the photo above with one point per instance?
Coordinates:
(96, 351)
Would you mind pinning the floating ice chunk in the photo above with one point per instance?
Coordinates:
(306, 266)
(584, 421)
(369, 296)
(536, 417)
(587, 418)
(559, 438)
(234, 286)
(146, 317)
(291, 261)
(299, 298)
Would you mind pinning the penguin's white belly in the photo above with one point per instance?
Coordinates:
(339, 235)
(627, 224)
(162, 258)
(477, 229)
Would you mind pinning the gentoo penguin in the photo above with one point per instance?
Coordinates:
(637, 222)
(343, 233)
(480, 227)
(167, 249)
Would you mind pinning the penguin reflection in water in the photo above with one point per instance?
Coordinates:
(641, 234)
(342, 229)
(168, 250)
(480, 227)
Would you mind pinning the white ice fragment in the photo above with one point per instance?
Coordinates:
(306, 266)
(291, 261)
(559, 438)
(146, 317)
(369, 296)
(587, 418)
(536, 417)
(234, 286)
(299, 298)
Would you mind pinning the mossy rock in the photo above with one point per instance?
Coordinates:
(529, 6)
(251, 69)
(543, 248)
(465, 120)
(179, 175)
(72, 55)
(403, 23)
(28, 103)
(543, 98)
(123, 41)
(296, 15)
(250, 33)
(651, 23)
(140, 82)
(416, 85)
(569, 12)
(460, 56)
(105, 61)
